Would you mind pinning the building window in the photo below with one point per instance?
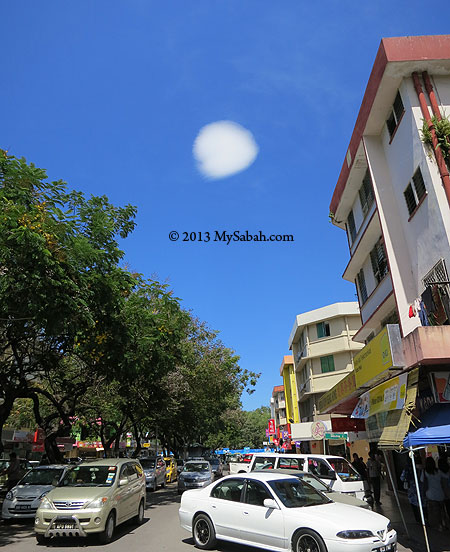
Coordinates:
(327, 364)
(391, 318)
(366, 194)
(415, 191)
(362, 286)
(351, 226)
(323, 329)
(396, 114)
(379, 261)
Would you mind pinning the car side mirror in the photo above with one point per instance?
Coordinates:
(123, 482)
(270, 503)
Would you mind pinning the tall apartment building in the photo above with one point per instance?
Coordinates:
(393, 200)
(322, 344)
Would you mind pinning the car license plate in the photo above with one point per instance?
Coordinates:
(64, 524)
(387, 548)
(23, 506)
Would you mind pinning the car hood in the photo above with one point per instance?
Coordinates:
(149, 470)
(190, 475)
(343, 498)
(78, 493)
(31, 490)
(336, 514)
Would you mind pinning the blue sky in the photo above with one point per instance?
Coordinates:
(110, 96)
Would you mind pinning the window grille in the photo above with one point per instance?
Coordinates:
(395, 115)
(438, 274)
(415, 191)
(362, 286)
(379, 261)
(351, 226)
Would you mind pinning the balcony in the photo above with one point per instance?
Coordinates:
(427, 345)
(362, 247)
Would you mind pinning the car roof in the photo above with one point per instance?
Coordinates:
(50, 467)
(108, 462)
(259, 475)
(293, 455)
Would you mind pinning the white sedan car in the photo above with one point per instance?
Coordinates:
(279, 512)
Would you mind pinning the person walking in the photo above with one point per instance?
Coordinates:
(409, 484)
(12, 471)
(444, 471)
(374, 473)
(434, 493)
(359, 465)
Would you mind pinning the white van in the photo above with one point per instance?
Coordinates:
(336, 471)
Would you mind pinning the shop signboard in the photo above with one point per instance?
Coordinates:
(318, 430)
(347, 424)
(341, 391)
(389, 395)
(383, 353)
(441, 386)
(272, 427)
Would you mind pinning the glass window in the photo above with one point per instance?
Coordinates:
(351, 226)
(230, 489)
(344, 469)
(42, 477)
(264, 462)
(327, 364)
(256, 493)
(323, 329)
(295, 493)
(379, 261)
(291, 463)
(415, 191)
(147, 463)
(90, 476)
(366, 195)
(362, 286)
(395, 115)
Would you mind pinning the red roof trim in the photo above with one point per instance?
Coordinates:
(409, 48)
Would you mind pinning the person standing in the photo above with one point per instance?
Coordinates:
(409, 484)
(12, 471)
(444, 471)
(374, 473)
(434, 493)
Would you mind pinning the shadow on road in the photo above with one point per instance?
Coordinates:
(11, 533)
(163, 496)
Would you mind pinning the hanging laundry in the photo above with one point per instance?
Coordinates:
(427, 298)
(411, 312)
(423, 315)
(445, 298)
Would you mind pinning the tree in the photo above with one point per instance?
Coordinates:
(60, 277)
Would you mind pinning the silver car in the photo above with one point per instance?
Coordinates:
(23, 500)
(155, 472)
(195, 474)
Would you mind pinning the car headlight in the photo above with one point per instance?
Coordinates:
(10, 495)
(97, 503)
(46, 503)
(389, 527)
(355, 534)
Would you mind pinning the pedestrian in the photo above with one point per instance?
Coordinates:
(444, 471)
(374, 473)
(13, 471)
(409, 484)
(434, 493)
(359, 465)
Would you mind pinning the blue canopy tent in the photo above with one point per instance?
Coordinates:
(434, 429)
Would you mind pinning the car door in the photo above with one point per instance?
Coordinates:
(135, 485)
(261, 525)
(226, 508)
(124, 498)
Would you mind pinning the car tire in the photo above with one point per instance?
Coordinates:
(307, 540)
(105, 537)
(203, 532)
(139, 517)
(41, 539)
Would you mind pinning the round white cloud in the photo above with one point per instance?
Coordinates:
(224, 148)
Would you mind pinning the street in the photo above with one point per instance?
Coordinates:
(161, 532)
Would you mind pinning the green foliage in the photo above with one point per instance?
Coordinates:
(442, 130)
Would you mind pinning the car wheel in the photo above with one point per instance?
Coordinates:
(41, 539)
(139, 518)
(203, 532)
(105, 536)
(307, 540)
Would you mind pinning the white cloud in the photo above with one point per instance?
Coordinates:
(224, 148)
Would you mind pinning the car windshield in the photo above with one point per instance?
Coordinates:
(40, 476)
(294, 493)
(196, 467)
(214, 462)
(89, 476)
(344, 469)
(147, 463)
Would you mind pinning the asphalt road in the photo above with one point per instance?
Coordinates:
(160, 532)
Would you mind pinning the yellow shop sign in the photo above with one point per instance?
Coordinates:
(389, 395)
(378, 356)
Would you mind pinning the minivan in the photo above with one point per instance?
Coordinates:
(336, 471)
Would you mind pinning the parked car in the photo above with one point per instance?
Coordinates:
(195, 474)
(277, 516)
(216, 466)
(319, 485)
(92, 498)
(333, 470)
(171, 469)
(180, 464)
(23, 500)
(155, 472)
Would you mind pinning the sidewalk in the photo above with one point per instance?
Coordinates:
(438, 541)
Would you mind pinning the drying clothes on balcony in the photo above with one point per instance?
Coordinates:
(423, 315)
